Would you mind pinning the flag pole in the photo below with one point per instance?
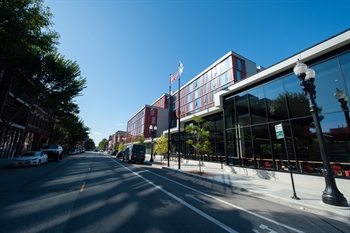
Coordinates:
(178, 115)
(169, 116)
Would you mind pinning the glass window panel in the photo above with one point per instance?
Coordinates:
(223, 79)
(327, 79)
(198, 102)
(190, 88)
(239, 64)
(229, 113)
(298, 103)
(238, 75)
(276, 102)
(190, 106)
(262, 146)
(242, 110)
(225, 65)
(213, 82)
(214, 72)
(189, 97)
(257, 106)
(231, 145)
(344, 61)
(196, 93)
(246, 142)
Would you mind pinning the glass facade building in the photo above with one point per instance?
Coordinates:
(251, 115)
(244, 109)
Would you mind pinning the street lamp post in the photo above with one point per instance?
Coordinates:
(152, 131)
(343, 100)
(331, 195)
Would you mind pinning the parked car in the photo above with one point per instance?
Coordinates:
(135, 153)
(53, 151)
(114, 152)
(120, 154)
(72, 152)
(31, 158)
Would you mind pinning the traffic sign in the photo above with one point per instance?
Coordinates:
(279, 131)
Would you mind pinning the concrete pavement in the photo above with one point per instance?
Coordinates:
(270, 189)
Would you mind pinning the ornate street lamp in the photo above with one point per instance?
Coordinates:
(331, 195)
(343, 100)
(152, 131)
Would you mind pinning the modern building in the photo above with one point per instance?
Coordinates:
(152, 115)
(245, 103)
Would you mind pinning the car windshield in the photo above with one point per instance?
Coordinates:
(29, 154)
(139, 149)
(51, 147)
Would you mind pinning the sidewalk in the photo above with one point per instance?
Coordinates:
(272, 190)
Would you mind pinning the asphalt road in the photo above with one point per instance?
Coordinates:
(95, 192)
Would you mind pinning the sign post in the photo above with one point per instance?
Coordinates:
(280, 135)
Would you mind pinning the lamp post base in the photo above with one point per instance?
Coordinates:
(334, 199)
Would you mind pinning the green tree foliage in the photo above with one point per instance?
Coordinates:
(121, 147)
(141, 140)
(103, 143)
(31, 67)
(90, 144)
(70, 130)
(63, 83)
(161, 145)
(116, 146)
(200, 133)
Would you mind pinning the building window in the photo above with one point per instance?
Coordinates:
(223, 79)
(189, 97)
(238, 75)
(190, 106)
(190, 88)
(239, 64)
(225, 65)
(198, 103)
(196, 93)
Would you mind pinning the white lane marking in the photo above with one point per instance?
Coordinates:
(262, 226)
(213, 220)
(194, 198)
(225, 202)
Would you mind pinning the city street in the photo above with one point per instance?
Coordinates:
(95, 192)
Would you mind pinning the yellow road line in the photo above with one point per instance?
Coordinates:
(82, 187)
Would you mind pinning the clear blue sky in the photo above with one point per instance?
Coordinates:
(126, 49)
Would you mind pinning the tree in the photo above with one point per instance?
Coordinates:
(161, 146)
(141, 140)
(103, 143)
(200, 141)
(121, 147)
(198, 130)
(90, 144)
(30, 66)
(71, 130)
